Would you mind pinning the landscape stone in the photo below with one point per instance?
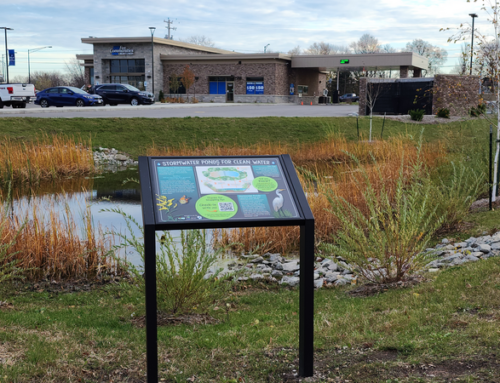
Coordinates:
(278, 266)
(495, 246)
(277, 273)
(316, 276)
(471, 258)
(290, 266)
(318, 283)
(257, 260)
(256, 276)
(341, 282)
(483, 248)
(445, 241)
(275, 258)
(290, 281)
(331, 277)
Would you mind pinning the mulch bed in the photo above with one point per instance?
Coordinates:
(370, 289)
(164, 319)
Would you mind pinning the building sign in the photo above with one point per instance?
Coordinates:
(121, 51)
(12, 57)
(345, 61)
(250, 87)
(216, 189)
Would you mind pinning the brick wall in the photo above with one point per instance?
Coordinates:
(275, 76)
(457, 93)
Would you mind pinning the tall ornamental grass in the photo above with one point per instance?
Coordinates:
(44, 158)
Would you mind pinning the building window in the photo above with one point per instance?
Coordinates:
(303, 89)
(255, 85)
(180, 90)
(127, 66)
(217, 85)
(137, 81)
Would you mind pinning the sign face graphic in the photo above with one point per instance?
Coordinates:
(12, 57)
(345, 61)
(221, 188)
(121, 51)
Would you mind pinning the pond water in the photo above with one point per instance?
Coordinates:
(97, 194)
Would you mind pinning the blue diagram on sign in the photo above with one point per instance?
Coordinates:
(12, 57)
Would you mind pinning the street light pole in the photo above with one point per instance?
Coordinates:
(33, 50)
(152, 29)
(6, 51)
(473, 15)
(265, 47)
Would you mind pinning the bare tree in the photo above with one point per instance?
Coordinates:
(462, 66)
(491, 8)
(373, 90)
(199, 40)
(436, 55)
(44, 80)
(366, 44)
(295, 51)
(75, 73)
(187, 78)
(323, 48)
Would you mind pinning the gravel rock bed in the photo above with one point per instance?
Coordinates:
(430, 119)
(332, 273)
(112, 157)
(458, 253)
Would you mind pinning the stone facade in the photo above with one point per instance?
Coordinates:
(102, 55)
(457, 93)
(362, 96)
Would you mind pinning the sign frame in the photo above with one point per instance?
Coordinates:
(305, 221)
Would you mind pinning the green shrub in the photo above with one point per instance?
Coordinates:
(417, 114)
(481, 108)
(180, 269)
(474, 112)
(443, 113)
(387, 243)
(161, 96)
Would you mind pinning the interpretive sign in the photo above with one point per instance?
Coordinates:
(225, 192)
(221, 189)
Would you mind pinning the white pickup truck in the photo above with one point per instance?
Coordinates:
(16, 95)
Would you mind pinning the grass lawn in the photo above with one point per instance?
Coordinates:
(444, 328)
(135, 135)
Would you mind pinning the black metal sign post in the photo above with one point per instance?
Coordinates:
(225, 192)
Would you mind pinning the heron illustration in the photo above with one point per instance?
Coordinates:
(278, 202)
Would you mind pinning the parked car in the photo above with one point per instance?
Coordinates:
(16, 95)
(114, 94)
(349, 97)
(66, 96)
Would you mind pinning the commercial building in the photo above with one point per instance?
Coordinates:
(149, 63)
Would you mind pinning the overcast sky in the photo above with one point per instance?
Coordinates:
(244, 26)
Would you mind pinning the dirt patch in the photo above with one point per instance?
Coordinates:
(176, 320)
(483, 205)
(8, 354)
(370, 289)
(70, 286)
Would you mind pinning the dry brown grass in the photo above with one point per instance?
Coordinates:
(48, 246)
(48, 157)
(332, 169)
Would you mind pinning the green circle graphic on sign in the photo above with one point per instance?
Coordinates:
(216, 206)
(265, 184)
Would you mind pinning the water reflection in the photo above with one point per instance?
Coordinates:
(101, 193)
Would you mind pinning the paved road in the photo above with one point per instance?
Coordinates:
(184, 110)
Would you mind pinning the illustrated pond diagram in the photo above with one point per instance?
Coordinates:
(220, 189)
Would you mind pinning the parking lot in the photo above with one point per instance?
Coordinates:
(159, 110)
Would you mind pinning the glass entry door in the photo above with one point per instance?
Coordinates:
(229, 91)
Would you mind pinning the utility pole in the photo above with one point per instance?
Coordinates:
(169, 27)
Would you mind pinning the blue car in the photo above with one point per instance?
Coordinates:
(66, 96)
